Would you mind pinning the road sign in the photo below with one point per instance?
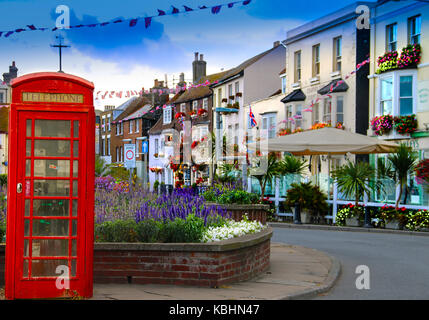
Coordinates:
(130, 156)
(145, 146)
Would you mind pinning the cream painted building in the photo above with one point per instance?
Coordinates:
(401, 92)
(320, 87)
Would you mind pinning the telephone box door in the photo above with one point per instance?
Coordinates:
(50, 221)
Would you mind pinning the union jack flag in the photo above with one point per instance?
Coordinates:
(253, 122)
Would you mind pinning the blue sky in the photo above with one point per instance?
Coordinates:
(118, 57)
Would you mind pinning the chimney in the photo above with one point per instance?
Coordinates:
(199, 68)
(182, 78)
(276, 44)
(12, 74)
(156, 83)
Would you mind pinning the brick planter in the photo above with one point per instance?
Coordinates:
(255, 212)
(200, 264)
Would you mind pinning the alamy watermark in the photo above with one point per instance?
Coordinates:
(63, 20)
(63, 280)
(363, 280)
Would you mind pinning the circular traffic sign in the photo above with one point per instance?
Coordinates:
(129, 155)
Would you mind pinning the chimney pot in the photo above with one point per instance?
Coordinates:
(276, 44)
(201, 57)
(196, 56)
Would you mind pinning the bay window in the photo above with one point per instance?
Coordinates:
(288, 116)
(298, 121)
(327, 110)
(269, 125)
(315, 114)
(397, 93)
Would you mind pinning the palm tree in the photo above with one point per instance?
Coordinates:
(292, 165)
(354, 179)
(264, 176)
(101, 168)
(403, 161)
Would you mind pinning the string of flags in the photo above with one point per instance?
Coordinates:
(130, 93)
(329, 95)
(133, 21)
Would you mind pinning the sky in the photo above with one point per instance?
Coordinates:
(120, 57)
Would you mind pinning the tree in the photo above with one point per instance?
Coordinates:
(292, 165)
(356, 179)
(264, 176)
(404, 162)
(101, 168)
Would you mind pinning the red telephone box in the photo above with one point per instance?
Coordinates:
(50, 217)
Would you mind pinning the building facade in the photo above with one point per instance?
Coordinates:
(401, 91)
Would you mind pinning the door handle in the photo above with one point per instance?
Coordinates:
(19, 188)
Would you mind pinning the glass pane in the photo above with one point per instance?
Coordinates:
(387, 107)
(26, 242)
(26, 227)
(25, 269)
(51, 148)
(74, 248)
(51, 188)
(29, 123)
(52, 168)
(50, 248)
(73, 268)
(28, 168)
(75, 169)
(386, 89)
(75, 188)
(75, 149)
(74, 227)
(46, 268)
(28, 148)
(406, 86)
(406, 106)
(76, 129)
(52, 128)
(74, 204)
(27, 207)
(50, 228)
(51, 208)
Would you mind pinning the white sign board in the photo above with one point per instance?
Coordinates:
(130, 156)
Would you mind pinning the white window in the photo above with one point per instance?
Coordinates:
(340, 110)
(117, 155)
(284, 84)
(167, 115)
(103, 124)
(219, 98)
(297, 75)
(327, 110)
(103, 146)
(183, 107)
(206, 104)
(156, 148)
(230, 94)
(316, 60)
(2, 97)
(131, 125)
(338, 53)
(108, 123)
(391, 37)
(397, 93)
(414, 29)
(108, 146)
(121, 152)
(315, 114)
(269, 125)
(137, 125)
(298, 121)
(195, 105)
(288, 116)
(118, 129)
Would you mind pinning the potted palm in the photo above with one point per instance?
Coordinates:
(269, 174)
(309, 198)
(354, 180)
(403, 162)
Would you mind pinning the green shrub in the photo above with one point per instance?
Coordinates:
(3, 180)
(155, 186)
(308, 196)
(209, 195)
(238, 197)
(149, 231)
(183, 231)
(116, 231)
(2, 231)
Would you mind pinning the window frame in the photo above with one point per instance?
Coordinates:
(167, 115)
(298, 66)
(337, 54)
(269, 120)
(390, 42)
(316, 60)
(410, 26)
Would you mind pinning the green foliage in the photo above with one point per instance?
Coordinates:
(101, 168)
(120, 173)
(2, 231)
(116, 231)
(404, 162)
(149, 231)
(156, 185)
(384, 169)
(348, 212)
(3, 180)
(266, 173)
(356, 179)
(237, 197)
(292, 165)
(418, 221)
(227, 173)
(308, 196)
(210, 195)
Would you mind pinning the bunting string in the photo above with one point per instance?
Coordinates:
(133, 21)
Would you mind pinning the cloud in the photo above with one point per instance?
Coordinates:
(120, 43)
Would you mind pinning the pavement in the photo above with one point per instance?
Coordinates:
(295, 273)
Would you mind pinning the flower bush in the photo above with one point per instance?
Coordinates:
(284, 132)
(382, 124)
(406, 124)
(422, 171)
(320, 125)
(389, 213)
(388, 61)
(410, 56)
(347, 212)
(232, 229)
(309, 196)
(418, 221)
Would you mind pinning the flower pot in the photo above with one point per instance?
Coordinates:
(352, 222)
(305, 217)
(393, 224)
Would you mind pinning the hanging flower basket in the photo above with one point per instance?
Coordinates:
(202, 112)
(224, 100)
(156, 170)
(406, 124)
(382, 124)
(238, 94)
(232, 97)
(195, 144)
(179, 115)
